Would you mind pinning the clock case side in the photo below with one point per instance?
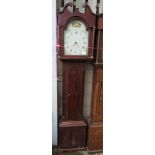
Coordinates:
(98, 52)
(64, 18)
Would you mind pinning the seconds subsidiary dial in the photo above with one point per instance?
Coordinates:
(76, 39)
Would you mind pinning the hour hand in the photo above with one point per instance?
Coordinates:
(75, 44)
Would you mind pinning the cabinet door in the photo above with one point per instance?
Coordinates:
(73, 90)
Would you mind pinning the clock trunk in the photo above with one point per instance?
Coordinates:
(73, 79)
(72, 126)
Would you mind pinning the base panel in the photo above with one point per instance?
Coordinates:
(95, 137)
(73, 149)
(72, 135)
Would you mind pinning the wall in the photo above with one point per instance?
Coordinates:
(54, 77)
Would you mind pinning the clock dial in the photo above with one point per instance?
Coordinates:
(76, 39)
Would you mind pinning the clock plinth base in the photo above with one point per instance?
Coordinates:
(95, 136)
(72, 135)
(73, 149)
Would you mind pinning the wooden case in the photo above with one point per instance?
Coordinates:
(72, 126)
(64, 18)
(95, 122)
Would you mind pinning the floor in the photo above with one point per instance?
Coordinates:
(56, 152)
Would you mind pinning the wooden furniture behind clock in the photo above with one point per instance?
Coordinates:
(95, 121)
(76, 33)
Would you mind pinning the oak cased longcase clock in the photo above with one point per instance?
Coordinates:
(76, 32)
(95, 121)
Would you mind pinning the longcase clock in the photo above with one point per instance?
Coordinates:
(76, 32)
(95, 121)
